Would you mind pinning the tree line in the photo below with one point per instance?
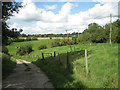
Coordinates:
(98, 34)
(50, 35)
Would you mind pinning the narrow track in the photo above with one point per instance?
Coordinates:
(27, 75)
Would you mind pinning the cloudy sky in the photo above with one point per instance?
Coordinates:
(56, 17)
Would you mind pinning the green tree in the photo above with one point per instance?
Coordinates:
(7, 10)
(93, 27)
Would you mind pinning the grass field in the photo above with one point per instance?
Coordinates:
(102, 64)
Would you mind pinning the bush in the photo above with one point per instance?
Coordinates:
(7, 65)
(50, 37)
(71, 42)
(18, 40)
(4, 49)
(56, 43)
(42, 47)
(34, 38)
(74, 38)
(62, 42)
(25, 49)
(28, 39)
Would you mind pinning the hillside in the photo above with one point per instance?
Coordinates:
(102, 64)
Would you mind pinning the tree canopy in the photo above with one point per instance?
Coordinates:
(98, 34)
(7, 10)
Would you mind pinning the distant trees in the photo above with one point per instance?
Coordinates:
(50, 35)
(97, 34)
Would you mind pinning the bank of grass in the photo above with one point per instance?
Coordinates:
(102, 65)
(103, 68)
(8, 64)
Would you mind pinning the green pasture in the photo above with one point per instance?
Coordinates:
(102, 64)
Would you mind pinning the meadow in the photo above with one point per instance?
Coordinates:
(102, 63)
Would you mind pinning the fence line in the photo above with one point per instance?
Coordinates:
(67, 59)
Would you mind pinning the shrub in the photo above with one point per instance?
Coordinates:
(7, 65)
(4, 49)
(34, 38)
(5, 58)
(71, 42)
(74, 38)
(62, 42)
(28, 39)
(25, 49)
(50, 37)
(42, 47)
(18, 40)
(56, 43)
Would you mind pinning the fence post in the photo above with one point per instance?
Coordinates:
(67, 60)
(54, 54)
(43, 56)
(86, 61)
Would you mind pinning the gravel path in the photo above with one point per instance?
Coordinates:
(27, 75)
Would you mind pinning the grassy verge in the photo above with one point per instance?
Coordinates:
(8, 64)
(103, 68)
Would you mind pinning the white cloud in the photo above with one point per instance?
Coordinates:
(105, 1)
(50, 7)
(28, 13)
(31, 13)
(48, 22)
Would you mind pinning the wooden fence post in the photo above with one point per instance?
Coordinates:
(67, 60)
(43, 56)
(86, 61)
(54, 54)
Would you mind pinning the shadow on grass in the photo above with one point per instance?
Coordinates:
(61, 73)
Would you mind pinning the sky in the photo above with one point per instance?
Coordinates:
(57, 17)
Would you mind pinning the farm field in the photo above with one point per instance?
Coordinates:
(102, 63)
